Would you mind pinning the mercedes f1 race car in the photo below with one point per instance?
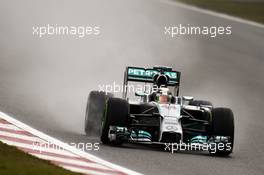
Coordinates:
(158, 115)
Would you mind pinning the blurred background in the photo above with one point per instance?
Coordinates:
(45, 82)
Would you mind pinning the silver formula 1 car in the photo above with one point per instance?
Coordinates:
(159, 115)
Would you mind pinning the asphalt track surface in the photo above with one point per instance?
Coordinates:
(44, 82)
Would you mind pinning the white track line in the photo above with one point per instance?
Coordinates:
(79, 170)
(65, 146)
(24, 137)
(213, 13)
(9, 126)
(37, 148)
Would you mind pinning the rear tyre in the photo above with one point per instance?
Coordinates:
(94, 112)
(200, 102)
(116, 114)
(223, 125)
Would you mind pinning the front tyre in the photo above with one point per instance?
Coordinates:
(116, 114)
(223, 127)
(94, 112)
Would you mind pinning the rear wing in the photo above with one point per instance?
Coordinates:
(146, 75)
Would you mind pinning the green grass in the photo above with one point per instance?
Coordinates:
(249, 10)
(16, 162)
